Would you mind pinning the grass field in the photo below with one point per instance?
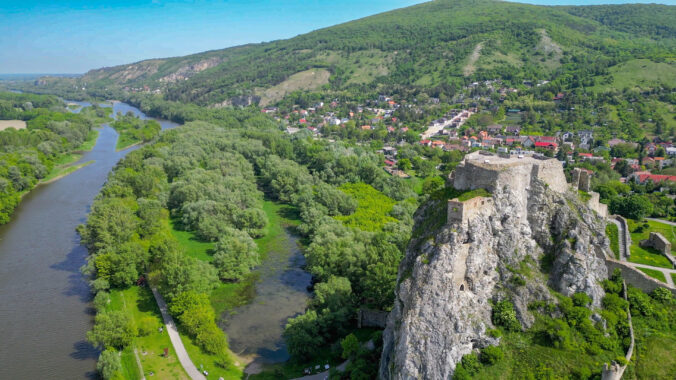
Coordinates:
(139, 303)
(62, 171)
(649, 256)
(192, 245)
(206, 362)
(641, 73)
(90, 142)
(373, 207)
(673, 278)
(653, 273)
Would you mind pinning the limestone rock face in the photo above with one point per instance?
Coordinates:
(450, 275)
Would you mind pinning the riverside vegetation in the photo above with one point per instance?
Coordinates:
(612, 65)
(43, 150)
(211, 181)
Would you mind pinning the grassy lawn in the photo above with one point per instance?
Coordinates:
(62, 171)
(653, 273)
(612, 232)
(125, 140)
(88, 144)
(649, 256)
(139, 303)
(673, 277)
(656, 349)
(641, 73)
(192, 245)
(204, 361)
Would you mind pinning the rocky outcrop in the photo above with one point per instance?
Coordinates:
(188, 71)
(532, 230)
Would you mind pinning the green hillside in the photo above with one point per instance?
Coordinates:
(436, 47)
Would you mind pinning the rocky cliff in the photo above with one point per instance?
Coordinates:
(530, 229)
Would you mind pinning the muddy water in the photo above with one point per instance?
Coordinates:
(44, 300)
(256, 328)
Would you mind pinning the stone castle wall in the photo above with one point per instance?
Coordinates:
(637, 278)
(461, 212)
(491, 172)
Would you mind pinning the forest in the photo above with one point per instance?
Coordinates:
(44, 147)
(211, 180)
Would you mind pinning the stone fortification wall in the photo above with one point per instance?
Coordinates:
(637, 278)
(595, 204)
(461, 212)
(371, 318)
(489, 171)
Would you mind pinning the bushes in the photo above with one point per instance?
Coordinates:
(504, 315)
(109, 365)
(112, 329)
(235, 255)
(491, 355)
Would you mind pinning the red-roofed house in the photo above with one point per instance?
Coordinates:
(426, 142)
(547, 145)
(389, 163)
(643, 177)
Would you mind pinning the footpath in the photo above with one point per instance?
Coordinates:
(624, 251)
(182, 354)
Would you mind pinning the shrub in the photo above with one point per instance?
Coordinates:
(505, 316)
(491, 355)
(350, 346)
(470, 363)
(661, 294)
(109, 365)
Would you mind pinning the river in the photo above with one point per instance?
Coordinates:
(45, 306)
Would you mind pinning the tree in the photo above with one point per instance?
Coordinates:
(112, 329)
(109, 365)
(635, 206)
(404, 164)
(432, 184)
(302, 335)
(350, 346)
(235, 254)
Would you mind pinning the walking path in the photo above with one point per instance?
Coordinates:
(621, 239)
(176, 339)
(662, 221)
(138, 362)
(624, 251)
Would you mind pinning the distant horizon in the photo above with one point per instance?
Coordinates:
(75, 36)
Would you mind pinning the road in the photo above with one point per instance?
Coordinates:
(662, 221)
(176, 339)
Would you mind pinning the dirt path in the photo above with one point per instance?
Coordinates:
(469, 68)
(138, 361)
(182, 354)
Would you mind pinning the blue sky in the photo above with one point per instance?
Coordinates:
(73, 36)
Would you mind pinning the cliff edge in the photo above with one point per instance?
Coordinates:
(524, 232)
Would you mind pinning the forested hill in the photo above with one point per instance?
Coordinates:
(436, 47)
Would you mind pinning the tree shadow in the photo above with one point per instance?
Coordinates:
(84, 350)
(77, 282)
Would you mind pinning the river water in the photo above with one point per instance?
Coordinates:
(44, 300)
(45, 308)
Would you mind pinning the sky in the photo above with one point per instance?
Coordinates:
(73, 36)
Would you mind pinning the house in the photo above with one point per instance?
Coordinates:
(585, 135)
(483, 135)
(426, 142)
(494, 129)
(567, 136)
(437, 143)
(671, 151)
(547, 145)
(559, 96)
(548, 139)
(643, 177)
(389, 163)
(527, 142)
(513, 130)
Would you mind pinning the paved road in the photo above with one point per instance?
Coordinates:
(176, 339)
(324, 375)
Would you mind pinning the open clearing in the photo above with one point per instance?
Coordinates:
(16, 124)
(305, 80)
(470, 67)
